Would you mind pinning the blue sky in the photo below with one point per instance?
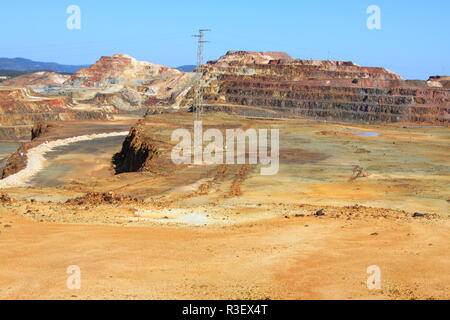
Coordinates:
(414, 39)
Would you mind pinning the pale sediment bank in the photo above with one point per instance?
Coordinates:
(36, 158)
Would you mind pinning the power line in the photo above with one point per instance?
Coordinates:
(198, 99)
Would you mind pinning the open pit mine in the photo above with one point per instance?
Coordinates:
(89, 179)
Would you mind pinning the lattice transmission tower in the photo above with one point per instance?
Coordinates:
(198, 99)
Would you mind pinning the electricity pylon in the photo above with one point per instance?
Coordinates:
(198, 99)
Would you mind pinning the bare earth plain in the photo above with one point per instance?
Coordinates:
(227, 232)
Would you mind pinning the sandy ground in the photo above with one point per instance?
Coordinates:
(278, 258)
(226, 232)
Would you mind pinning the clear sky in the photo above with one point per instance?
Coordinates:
(414, 39)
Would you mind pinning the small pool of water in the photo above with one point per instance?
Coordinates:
(366, 134)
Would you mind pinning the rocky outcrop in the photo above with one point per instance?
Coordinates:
(40, 129)
(119, 69)
(143, 153)
(326, 90)
(249, 57)
(41, 78)
(97, 198)
(440, 81)
(158, 92)
(125, 84)
(125, 100)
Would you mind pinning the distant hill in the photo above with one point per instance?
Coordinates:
(12, 73)
(187, 68)
(26, 65)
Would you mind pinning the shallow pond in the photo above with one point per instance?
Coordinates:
(366, 134)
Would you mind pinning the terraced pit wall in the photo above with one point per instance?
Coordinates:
(327, 90)
(19, 113)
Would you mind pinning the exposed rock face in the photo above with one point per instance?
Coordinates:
(123, 100)
(441, 81)
(40, 129)
(168, 90)
(143, 153)
(18, 108)
(41, 78)
(127, 84)
(329, 90)
(249, 57)
(157, 92)
(119, 70)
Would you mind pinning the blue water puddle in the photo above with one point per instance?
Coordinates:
(366, 134)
